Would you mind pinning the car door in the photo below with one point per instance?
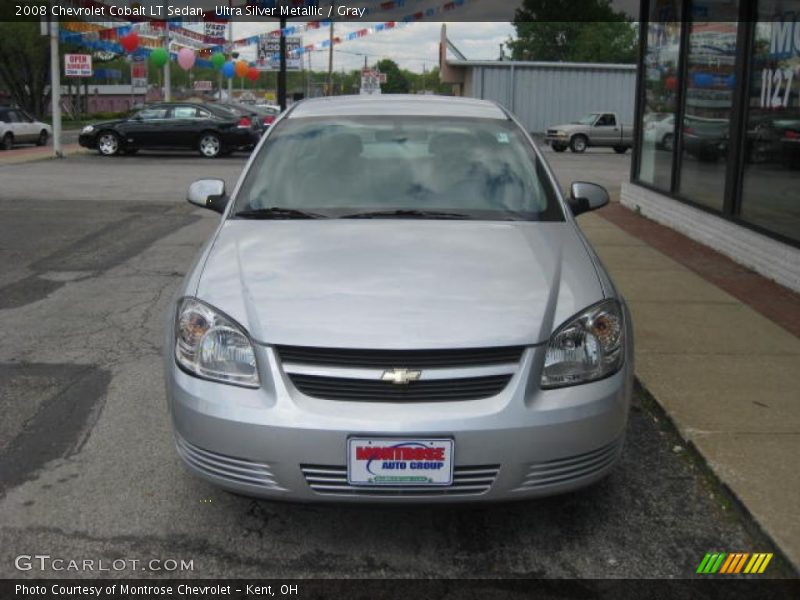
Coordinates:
(28, 126)
(142, 130)
(606, 131)
(185, 122)
(19, 126)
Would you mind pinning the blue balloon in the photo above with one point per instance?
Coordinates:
(702, 80)
(228, 70)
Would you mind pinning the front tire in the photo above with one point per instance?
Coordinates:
(620, 149)
(108, 143)
(210, 146)
(8, 142)
(668, 142)
(558, 148)
(578, 144)
(42, 141)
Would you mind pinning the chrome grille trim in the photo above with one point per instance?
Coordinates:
(235, 470)
(390, 359)
(375, 390)
(332, 481)
(565, 470)
(375, 374)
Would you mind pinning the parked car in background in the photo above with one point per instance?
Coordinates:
(268, 112)
(704, 138)
(247, 114)
(597, 129)
(210, 130)
(398, 306)
(661, 132)
(18, 127)
(774, 138)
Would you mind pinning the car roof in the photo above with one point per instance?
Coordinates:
(398, 104)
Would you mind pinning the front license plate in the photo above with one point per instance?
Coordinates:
(382, 461)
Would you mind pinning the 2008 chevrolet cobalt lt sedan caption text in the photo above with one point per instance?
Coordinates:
(398, 306)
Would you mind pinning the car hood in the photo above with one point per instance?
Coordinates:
(398, 284)
(568, 126)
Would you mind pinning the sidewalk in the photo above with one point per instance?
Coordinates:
(727, 375)
(31, 153)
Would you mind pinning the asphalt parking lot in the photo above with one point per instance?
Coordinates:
(91, 251)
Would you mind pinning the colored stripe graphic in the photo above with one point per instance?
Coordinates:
(734, 563)
(711, 562)
(727, 564)
(701, 568)
(730, 564)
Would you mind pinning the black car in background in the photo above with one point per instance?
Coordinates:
(246, 114)
(210, 130)
(774, 138)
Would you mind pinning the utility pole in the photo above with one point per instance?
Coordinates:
(55, 88)
(330, 53)
(282, 68)
(167, 74)
(230, 53)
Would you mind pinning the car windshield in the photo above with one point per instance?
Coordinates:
(399, 167)
(588, 119)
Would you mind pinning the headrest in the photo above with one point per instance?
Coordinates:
(344, 145)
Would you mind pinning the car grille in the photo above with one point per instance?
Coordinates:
(369, 390)
(409, 359)
(467, 481)
(565, 470)
(552, 131)
(234, 470)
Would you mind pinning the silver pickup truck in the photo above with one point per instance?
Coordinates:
(595, 129)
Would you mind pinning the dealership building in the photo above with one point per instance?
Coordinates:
(718, 115)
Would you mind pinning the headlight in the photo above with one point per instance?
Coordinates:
(210, 345)
(88, 129)
(589, 346)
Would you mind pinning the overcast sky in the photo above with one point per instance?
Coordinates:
(411, 46)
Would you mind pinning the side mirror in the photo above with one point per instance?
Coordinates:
(586, 196)
(208, 193)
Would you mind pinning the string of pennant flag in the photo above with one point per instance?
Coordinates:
(216, 43)
(107, 39)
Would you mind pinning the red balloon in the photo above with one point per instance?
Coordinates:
(671, 83)
(129, 42)
(252, 74)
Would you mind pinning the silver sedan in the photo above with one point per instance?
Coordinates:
(398, 306)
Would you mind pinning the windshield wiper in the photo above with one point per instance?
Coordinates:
(403, 213)
(277, 212)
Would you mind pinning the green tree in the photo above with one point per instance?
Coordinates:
(595, 32)
(396, 80)
(25, 65)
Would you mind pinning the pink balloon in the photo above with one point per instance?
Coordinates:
(186, 58)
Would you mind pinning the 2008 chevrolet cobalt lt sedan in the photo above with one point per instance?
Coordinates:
(398, 306)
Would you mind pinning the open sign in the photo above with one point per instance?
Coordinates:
(77, 65)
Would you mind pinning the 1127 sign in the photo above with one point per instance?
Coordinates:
(776, 87)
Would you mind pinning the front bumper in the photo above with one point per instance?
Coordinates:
(88, 140)
(275, 442)
(558, 140)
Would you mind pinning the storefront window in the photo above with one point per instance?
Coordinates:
(708, 104)
(771, 180)
(660, 94)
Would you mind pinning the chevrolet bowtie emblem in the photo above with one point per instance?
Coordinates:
(401, 376)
